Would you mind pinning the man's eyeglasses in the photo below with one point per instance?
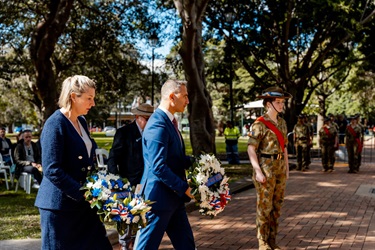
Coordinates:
(146, 117)
(27, 137)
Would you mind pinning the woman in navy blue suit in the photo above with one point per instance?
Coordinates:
(67, 221)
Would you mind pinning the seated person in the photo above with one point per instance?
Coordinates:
(19, 137)
(5, 147)
(27, 158)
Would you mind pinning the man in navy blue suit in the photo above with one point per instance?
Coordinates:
(164, 179)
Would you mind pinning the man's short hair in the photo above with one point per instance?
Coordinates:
(171, 86)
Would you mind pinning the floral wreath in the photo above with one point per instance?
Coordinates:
(116, 201)
(209, 185)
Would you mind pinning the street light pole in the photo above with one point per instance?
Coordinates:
(230, 19)
(153, 40)
(118, 113)
(230, 77)
(152, 77)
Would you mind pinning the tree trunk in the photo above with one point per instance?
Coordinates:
(202, 129)
(294, 105)
(44, 39)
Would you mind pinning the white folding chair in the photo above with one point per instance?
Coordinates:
(25, 181)
(3, 169)
(101, 153)
(12, 173)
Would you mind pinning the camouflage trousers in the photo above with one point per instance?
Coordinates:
(270, 197)
(353, 156)
(302, 157)
(328, 156)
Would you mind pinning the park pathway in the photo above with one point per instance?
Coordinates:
(321, 211)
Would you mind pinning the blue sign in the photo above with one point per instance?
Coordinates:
(214, 179)
(121, 194)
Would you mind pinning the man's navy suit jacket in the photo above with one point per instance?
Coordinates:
(164, 178)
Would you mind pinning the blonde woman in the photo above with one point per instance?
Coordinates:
(67, 221)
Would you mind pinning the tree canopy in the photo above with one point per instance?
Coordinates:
(222, 48)
(289, 43)
(49, 41)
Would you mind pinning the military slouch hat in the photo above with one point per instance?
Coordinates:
(274, 92)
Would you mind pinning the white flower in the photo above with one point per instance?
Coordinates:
(106, 193)
(209, 166)
(114, 206)
(205, 204)
(222, 171)
(204, 159)
(140, 206)
(133, 202)
(203, 190)
(216, 167)
(202, 178)
(98, 184)
(136, 219)
(126, 186)
(143, 216)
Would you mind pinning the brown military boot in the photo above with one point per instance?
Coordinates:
(272, 243)
(263, 245)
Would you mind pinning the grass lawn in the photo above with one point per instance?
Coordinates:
(20, 219)
(106, 142)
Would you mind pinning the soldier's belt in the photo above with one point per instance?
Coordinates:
(274, 156)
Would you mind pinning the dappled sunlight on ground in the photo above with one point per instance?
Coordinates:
(330, 184)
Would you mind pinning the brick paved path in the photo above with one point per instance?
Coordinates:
(321, 211)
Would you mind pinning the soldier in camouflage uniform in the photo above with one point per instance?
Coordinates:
(328, 142)
(353, 144)
(333, 122)
(336, 126)
(301, 136)
(363, 130)
(269, 158)
(310, 141)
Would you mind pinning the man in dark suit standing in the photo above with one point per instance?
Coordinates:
(126, 158)
(164, 179)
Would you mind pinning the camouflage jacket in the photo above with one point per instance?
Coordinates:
(327, 139)
(264, 139)
(350, 139)
(301, 134)
(363, 129)
(334, 124)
